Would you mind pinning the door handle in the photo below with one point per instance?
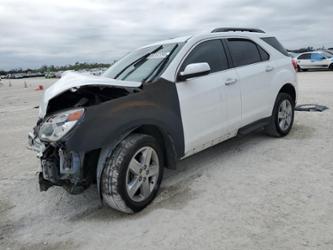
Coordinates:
(230, 81)
(269, 68)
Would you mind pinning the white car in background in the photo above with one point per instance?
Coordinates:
(315, 60)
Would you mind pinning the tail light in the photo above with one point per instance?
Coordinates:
(294, 63)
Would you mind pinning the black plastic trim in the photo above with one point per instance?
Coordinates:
(156, 104)
(255, 126)
(233, 29)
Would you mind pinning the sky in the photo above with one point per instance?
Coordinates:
(45, 32)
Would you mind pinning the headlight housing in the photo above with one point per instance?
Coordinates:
(58, 125)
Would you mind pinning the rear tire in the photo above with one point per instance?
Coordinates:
(132, 174)
(282, 117)
(299, 68)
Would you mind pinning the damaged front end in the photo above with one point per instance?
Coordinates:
(58, 165)
(62, 111)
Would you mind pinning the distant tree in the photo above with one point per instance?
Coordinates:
(52, 68)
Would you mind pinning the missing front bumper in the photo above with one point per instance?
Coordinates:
(36, 145)
(59, 167)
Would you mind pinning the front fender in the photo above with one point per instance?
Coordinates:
(105, 125)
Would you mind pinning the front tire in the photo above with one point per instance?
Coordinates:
(282, 117)
(132, 174)
(330, 67)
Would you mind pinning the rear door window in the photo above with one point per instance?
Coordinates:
(305, 56)
(243, 51)
(211, 52)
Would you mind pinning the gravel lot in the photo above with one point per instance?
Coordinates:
(254, 192)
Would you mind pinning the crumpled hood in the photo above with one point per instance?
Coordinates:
(75, 80)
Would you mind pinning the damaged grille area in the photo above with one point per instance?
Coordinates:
(74, 171)
(84, 97)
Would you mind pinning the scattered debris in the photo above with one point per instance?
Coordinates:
(39, 87)
(311, 108)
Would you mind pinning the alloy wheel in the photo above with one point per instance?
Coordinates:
(285, 115)
(142, 174)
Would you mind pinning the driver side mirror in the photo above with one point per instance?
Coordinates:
(194, 70)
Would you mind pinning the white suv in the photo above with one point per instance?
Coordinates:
(161, 103)
(315, 60)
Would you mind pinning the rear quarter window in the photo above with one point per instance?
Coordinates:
(264, 55)
(272, 41)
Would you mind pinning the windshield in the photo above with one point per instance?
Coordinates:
(326, 54)
(143, 64)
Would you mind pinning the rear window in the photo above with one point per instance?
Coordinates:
(275, 44)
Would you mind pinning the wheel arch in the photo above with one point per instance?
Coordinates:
(330, 67)
(288, 88)
(164, 139)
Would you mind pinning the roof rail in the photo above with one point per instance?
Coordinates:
(228, 29)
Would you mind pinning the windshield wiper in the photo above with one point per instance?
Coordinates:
(140, 59)
(160, 65)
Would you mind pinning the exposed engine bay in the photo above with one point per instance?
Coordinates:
(85, 96)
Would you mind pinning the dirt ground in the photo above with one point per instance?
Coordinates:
(254, 192)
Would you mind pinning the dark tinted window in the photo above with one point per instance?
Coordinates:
(305, 56)
(275, 44)
(243, 52)
(211, 52)
(264, 55)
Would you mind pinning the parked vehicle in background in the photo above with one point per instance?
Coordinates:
(159, 104)
(58, 74)
(18, 76)
(50, 75)
(315, 60)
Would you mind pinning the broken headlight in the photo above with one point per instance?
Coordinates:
(58, 125)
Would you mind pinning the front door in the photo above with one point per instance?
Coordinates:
(204, 100)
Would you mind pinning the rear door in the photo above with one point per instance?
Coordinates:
(304, 61)
(255, 72)
(204, 100)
